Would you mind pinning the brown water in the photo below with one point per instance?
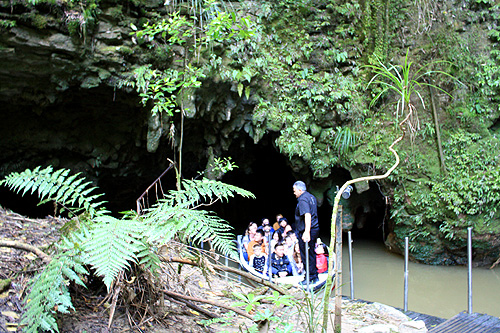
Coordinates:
(435, 290)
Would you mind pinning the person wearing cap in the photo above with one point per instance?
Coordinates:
(307, 227)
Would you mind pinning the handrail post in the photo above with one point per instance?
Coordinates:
(307, 264)
(469, 264)
(406, 276)
(351, 273)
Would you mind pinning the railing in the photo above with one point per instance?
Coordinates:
(143, 201)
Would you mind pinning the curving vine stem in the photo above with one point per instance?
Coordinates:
(331, 270)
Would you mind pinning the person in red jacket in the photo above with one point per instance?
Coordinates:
(321, 258)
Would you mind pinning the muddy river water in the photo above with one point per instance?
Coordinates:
(435, 290)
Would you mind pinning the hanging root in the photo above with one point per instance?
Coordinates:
(495, 263)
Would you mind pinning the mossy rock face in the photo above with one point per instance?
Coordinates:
(315, 129)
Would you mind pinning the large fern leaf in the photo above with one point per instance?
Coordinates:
(175, 215)
(113, 244)
(58, 186)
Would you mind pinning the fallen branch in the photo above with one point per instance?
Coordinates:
(206, 301)
(235, 271)
(23, 246)
(192, 306)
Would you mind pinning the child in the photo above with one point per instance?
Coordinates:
(280, 264)
(258, 259)
(321, 258)
(259, 240)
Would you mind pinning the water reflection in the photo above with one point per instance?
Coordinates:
(436, 290)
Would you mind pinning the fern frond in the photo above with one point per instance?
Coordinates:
(198, 191)
(49, 293)
(175, 215)
(112, 245)
(56, 186)
(148, 258)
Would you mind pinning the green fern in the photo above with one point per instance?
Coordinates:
(70, 192)
(49, 293)
(177, 214)
(113, 244)
(109, 244)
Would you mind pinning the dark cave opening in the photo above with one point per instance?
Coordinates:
(370, 213)
(261, 170)
(70, 140)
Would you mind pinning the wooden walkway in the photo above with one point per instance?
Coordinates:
(465, 323)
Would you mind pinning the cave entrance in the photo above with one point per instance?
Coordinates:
(369, 214)
(264, 172)
(268, 175)
(261, 169)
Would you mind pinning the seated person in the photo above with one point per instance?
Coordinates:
(283, 226)
(289, 246)
(321, 258)
(258, 260)
(265, 222)
(259, 240)
(276, 239)
(276, 224)
(297, 258)
(267, 233)
(249, 235)
(279, 261)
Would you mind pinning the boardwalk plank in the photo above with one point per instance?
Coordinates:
(474, 323)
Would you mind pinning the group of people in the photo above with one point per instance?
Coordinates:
(287, 245)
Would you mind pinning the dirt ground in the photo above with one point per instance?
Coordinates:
(92, 306)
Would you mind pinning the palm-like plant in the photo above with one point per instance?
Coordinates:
(405, 84)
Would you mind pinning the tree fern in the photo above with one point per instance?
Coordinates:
(68, 191)
(109, 244)
(113, 244)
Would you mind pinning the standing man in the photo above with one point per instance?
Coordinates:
(307, 226)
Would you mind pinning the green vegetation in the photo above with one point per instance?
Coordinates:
(278, 318)
(6, 24)
(109, 245)
(306, 67)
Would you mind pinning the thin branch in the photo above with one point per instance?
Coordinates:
(23, 246)
(235, 271)
(192, 306)
(206, 301)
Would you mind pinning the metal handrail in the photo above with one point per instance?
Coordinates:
(143, 200)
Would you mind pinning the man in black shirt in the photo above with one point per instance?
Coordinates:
(307, 226)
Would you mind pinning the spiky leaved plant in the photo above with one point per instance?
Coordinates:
(405, 83)
(111, 245)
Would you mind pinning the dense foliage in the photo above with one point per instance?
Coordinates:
(110, 245)
(306, 66)
(303, 67)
